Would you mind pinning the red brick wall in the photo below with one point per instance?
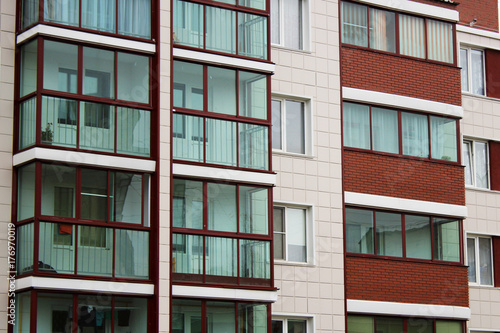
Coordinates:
(366, 172)
(485, 11)
(492, 59)
(370, 70)
(377, 279)
(494, 165)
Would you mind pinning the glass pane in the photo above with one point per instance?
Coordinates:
(221, 30)
(420, 325)
(471, 259)
(252, 35)
(253, 146)
(187, 137)
(94, 312)
(186, 316)
(485, 264)
(356, 122)
(126, 197)
(360, 324)
(131, 314)
(98, 71)
(97, 126)
(415, 131)
(411, 36)
(27, 123)
(389, 234)
(132, 254)
(481, 164)
(58, 190)
(467, 161)
(133, 131)
(254, 210)
(440, 41)
(277, 121)
(133, 78)
(62, 11)
(59, 121)
(221, 142)
(477, 72)
(385, 130)
(275, 22)
(359, 231)
(277, 326)
(222, 90)
(221, 256)
(252, 95)
(389, 325)
(94, 195)
(56, 252)
(187, 204)
(187, 254)
(255, 259)
(60, 66)
(188, 85)
(446, 239)
(26, 192)
(187, 24)
(28, 66)
(221, 317)
(448, 326)
(296, 233)
(252, 318)
(297, 326)
(354, 24)
(295, 127)
(382, 30)
(257, 4)
(134, 18)
(444, 138)
(279, 232)
(95, 251)
(292, 22)
(28, 14)
(221, 202)
(25, 235)
(99, 15)
(23, 313)
(464, 72)
(418, 237)
(54, 313)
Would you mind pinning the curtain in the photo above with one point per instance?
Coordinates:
(415, 134)
(385, 131)
(411, 36)
(221, 142)
(221, 30)
(275, 21)
(354, 24)
(356, 125)
(471, 259)
(134, 18)
(464, 71)
(29, 13)
(99, 15)
(444, 138)
(477, 72)
(440, 41)
(382, 30)
(481, 160)
(467, 157)
(61, 11)
(188, 23)
(292, 19)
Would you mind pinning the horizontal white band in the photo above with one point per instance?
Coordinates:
(199, 171)
(407, 205)
(223, 60)
(86, 37)
(225, 293)
(77, 285)
(416, 8)
(401, 102)
(479, 32)
(408, 309)
(73, 157)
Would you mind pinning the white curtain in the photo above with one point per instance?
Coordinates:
(99, 15)
(481, 160)
(382, 30)
(356, 125)
(444, 138)
(411, 36)
(221, 30)
(354, 24)
(464, 71)
(61, 11)
(385, 130)
(485, 261)
(440, 41)
(477, 72)
(415, 134)
(134, 18)
(467, 151)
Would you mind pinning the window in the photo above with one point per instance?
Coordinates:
(288, 23)
(377, 29)
(292, 325)
(372, 324)
(480, 260)
(292, 234)
(472, 72)
(476, 161)
(382, 233)
(385, 130)
(290, 126)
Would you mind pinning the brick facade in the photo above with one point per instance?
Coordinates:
(380, 279)
(484, 11)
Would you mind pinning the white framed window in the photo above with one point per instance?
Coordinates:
(472, 72)
(476, 162)
(292, 324)
(292, 233)
(289, 23)
(291, 120)
(480, 260)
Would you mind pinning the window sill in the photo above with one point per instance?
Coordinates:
(284, 48)
(469, 94)
(480, 189)
(482, 286)
(284, 153)
(293, 263)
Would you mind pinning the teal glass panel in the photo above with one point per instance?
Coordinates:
(254, 146)
(99, 15)
(253, 318)
(255, 259)
(222, 90)
(188, 138)
(26, 192)
(126, 197)
(221, 30)
(58, 190)
(359, 231)
(187, 254)
(23, 313)
(389, 234)
(133, 78)
(62, 11)
(221, 256)
(360, 324)
(257, 4)
(98, 72)
(253, 210)
(59, 121)
(418, 237)
(444, 138)
(97, 126)
(27, 123)
(54, 313)
(131, 314)
(25, 235)
(222, 210)
(187, 204)
(252, 95)
(356, 125)
(221, 317)
(95, 251)
(28, 68)
(56, 250)
(187, 24)
(186, 316)
(132, 254)
(252, 35)
(28, 13)
(446, 242)
(134, 18)
(221, 142)
(188, 85)
(133, 131)
(94, 194)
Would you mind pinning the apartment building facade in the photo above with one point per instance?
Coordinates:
(251, 166)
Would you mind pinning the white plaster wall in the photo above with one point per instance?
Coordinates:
(316, 289)
(7, 44)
